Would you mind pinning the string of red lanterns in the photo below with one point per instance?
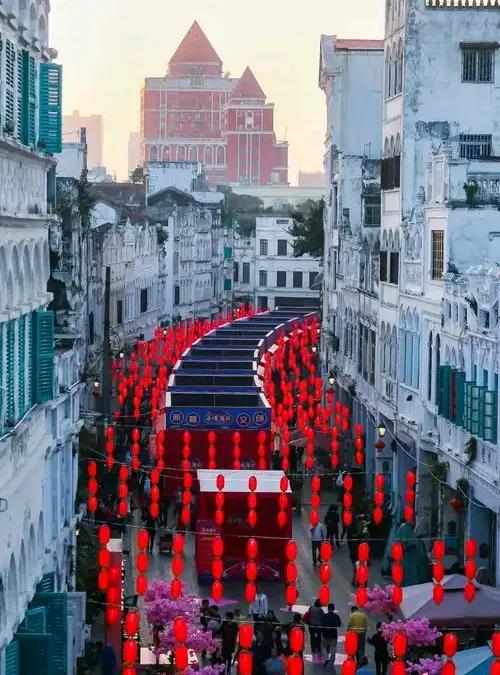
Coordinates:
(181, 660)
(351, 641)
(261, 451)
(130, 651)
(212, 450)
(217, 568)
(161, 437)
(378, 513)
(136, 449)
(245, 661)
(110, 447)
(141, 562)
(362, 573)
(295, 664)
(409, 509)
(219, 500)
(359, 444)
(470, 569)
(397, 573)
(187, 497)
(347, 501)
(291, 574)
(123, 476)
(92, 486)
(334, 448)
(104, 558)
(236, 450)
(177, 565)
(399, 645)
(325, 573)
(315, 500)
(186, 451)
(252, 551)
(252, 502)
(154, 496)
(450, 646)
(438, 551)
(282, 502)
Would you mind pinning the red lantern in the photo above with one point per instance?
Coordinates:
(104, 557)
(130, 651)
(112, 615)
(245, 666)
(291, 595)
(399, 645)
(397, 552)
(363, 552)
(295, 666)
(218, 547)
(351, 643)
(250, 592)
(175, 588)
(450, 645)
(103, 580)
(132, 623)
(324, 595)
(246, 636)
(180, 629)
(252, 548)
(181, 658)
(349, 666)
(438, 594)
(438, 549)
(141, 584)
(396, 595)
(296, 639)
(469, 591)
(470, 548)
(104, 535)
(291, 550)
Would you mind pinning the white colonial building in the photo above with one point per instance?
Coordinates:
(39, 384)
(438, 331)
(267, 273)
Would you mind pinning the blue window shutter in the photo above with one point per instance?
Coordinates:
(43, 356)
(12, 658)
(11, 362)
(56, 607)
(444, 387)
(21, 366)
(51, 107)
(28, 91)
(35, 653)
(490, 416)
(458, 416)
(35, 621)
(47, 584)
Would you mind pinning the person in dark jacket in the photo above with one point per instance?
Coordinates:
(228, 634)
(108, 660)
(332, 520)
(260, 652)
(379, 644)
(330, 623)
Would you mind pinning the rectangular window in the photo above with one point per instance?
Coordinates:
(475, 146)
(119, 312)
(394, 267)
(281, 279)
(312, 278)
(372, 207)
(144, 300)
(264, 246)
(236, 272)
(297, 279)
(383, 265)
(91, 328)
(177, 295)
(262, 302)
(246, 273)
(50, 111)
(262, 278)
(437, 254)
(477, 64)
(282, 247)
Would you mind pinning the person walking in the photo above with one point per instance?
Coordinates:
(332, 520)
(379, 644)
(151, 526)
(315, 628)
(228, 634)
(258, 608)
(330, 623)
(318, 535)
(358, 623)
(260, 653)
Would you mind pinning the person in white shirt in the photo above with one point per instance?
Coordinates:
(318, 535)
(258, 608)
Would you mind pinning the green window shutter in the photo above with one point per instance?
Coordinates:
(2, 420)
(12, 658)
(35, 621)
(11, 364)
(490, 417)
(468, 406)
(43, 356)
(28, 86)
(444, 383)
(47, 584)
(35, 653)
(459, 396)
(56, 607)
(51, 106)
(20, 96)
(228, 252)
(10, 82)
(482, 392)
(29, 355)
(227, 284)
(474, 410)
(21, 366)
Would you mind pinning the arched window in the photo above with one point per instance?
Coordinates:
(415, 374)
(388, 72)
(382, 347)
(153, 153)
(402, 347)
(221, 156)
(181, 153)
(394, 352)
(209, 155)
(42, 30)
(400, 66)
(166, 153)
(193, 153)
(438, 365)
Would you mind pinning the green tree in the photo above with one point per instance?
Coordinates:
(243, 209)
(137, 175)
(307, 228)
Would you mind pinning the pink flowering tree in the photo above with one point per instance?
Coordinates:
(425, 666)
(379, 601)
(419, 632)
(162, 609)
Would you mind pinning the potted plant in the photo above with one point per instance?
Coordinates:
(471, 189)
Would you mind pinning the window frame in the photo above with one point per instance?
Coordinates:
(263, 278)
(144, 300)
(264, 247)
(282, 242)
(278, 273)
(437, 264)
(245, 272)
(472, 54)
(296, 277)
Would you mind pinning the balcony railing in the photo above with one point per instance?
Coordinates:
(462, 4)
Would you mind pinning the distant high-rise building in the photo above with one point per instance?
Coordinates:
(197, 113)
(93, 123)
(134, 150)
(311, 179)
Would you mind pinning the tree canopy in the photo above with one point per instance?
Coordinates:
(307, 228)
(137, 175)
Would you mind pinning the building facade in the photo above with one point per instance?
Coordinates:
(196, 113)
(95, 135)
(40, 618)
(267, 273)
(435, 319)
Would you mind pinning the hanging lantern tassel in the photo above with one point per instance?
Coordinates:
(92, 486)
(217, 568)
(378, 513)
(283, 502)
(438, 551)
(347, 501)
(397, 573)
(252, 550)
(362, 573)
(219, 500)
(470, 569)
(291, 574)
(252, 502)
(325, 554)
(177, 565)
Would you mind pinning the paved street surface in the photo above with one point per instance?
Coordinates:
(308, 583)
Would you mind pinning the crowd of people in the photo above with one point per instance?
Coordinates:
(271, 640)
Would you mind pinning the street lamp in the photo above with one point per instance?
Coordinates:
(314, 349)
(331, 380)
(381, 429)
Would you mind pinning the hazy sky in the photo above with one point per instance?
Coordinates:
(108, 47)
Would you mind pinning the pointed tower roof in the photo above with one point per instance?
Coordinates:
(195, 48)
(247, 86)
